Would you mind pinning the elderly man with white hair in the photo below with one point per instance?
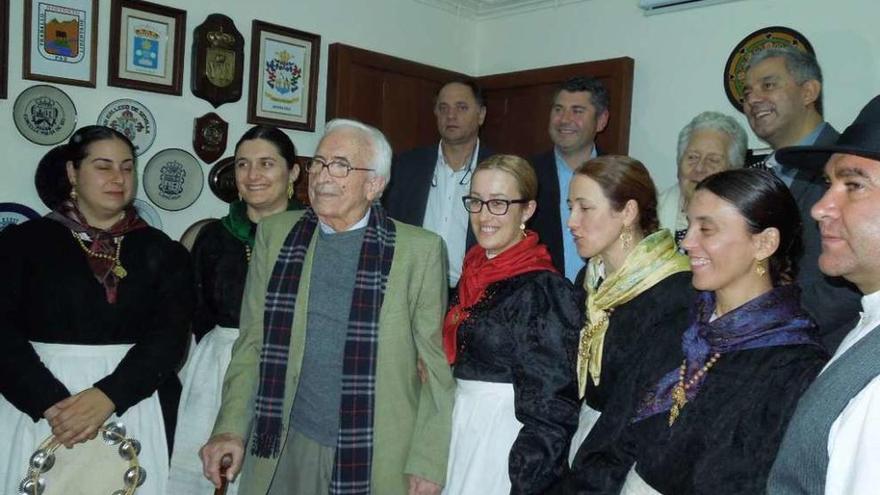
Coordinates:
(341, 302)
(710, 143)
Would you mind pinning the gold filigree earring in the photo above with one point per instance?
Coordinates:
(627, 237)
(289, 190)
(761, 267)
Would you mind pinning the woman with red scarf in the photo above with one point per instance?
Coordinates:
(95, 307)
(510, 334)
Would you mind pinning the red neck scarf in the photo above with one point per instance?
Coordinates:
(478, 272)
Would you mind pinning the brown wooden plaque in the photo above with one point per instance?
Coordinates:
(209, 137)
(217, 60)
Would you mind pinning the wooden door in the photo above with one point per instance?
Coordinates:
(390, 93)
(518, 105)
(397, 95)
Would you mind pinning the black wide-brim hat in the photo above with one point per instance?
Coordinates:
(862, 138)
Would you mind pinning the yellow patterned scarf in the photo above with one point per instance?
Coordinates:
(652, 260)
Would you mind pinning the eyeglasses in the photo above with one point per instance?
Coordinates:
(336, 168)
(495, 206)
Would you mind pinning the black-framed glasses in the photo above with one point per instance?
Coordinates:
(496, 206)
(336, 168)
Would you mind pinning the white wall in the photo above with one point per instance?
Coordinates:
(398, 27)
(680, 56)
(679, 60)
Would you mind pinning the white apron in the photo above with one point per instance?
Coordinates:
(586, 420)
(484, 427)
(635, 485)
(199, 403)
(78, 367)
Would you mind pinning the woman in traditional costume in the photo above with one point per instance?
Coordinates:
(265, 170)
(510, 334)
(636, 287)
(95, 307)
(713, 420)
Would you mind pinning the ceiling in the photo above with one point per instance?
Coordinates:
(488, 9)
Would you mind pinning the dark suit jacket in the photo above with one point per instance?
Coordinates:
(547, 221)
(406, 196)
(832, 301)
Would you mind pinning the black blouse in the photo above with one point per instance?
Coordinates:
(220, 265)
(652, 322)
(725, 440)
(524, 332)
(49, 295)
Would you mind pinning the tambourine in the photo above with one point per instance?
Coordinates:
(107, 464)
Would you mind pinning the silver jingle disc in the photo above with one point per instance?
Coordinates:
(135, 475)
(119, 492)
(42, 460)
(30, 487)
(114, 432)
(129, 449)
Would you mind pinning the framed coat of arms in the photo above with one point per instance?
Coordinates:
(283, 76)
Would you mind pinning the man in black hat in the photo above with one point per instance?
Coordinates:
(833, 440)
(783, 104)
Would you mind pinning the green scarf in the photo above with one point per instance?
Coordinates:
(652, 260)
(240, 226)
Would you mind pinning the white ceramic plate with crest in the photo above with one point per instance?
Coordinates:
(173, 179)
(133, 119)
(44, 115)
(148, 213)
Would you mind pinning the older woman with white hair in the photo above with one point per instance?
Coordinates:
(710, 143)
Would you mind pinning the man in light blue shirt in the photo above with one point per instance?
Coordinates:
(578, 114)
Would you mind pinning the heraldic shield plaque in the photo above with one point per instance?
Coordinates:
(209, 137)
(217, 60)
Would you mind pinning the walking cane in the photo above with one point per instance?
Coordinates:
(225, 462)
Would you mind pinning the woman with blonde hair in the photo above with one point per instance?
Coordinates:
(510, 334)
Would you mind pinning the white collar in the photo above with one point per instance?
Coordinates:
(357, 225)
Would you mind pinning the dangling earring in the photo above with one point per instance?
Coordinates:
(73, 195)
(289, 190)
(627, 237)
(761, 267)
(522, 229)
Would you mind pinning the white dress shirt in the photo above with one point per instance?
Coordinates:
(854, 438)
(445, 214)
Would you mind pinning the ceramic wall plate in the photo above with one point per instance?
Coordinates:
(173, 179)
(738, 61)
(133, 119)
(148, 213)
(44, 115)
(192, 232)
(221, 179)
(14, 214)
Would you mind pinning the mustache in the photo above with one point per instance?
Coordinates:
(326, 187)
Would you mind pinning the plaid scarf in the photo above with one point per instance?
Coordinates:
(354, 443)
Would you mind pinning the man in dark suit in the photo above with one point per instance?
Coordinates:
(427, 184)
(579, 112)
(783, 104)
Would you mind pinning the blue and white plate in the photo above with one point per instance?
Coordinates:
(14, 214)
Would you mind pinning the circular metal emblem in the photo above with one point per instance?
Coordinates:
(738, 61)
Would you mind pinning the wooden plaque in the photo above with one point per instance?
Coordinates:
(217, 60)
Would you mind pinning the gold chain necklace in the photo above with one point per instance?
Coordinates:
(679, 392)
(118, 269)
